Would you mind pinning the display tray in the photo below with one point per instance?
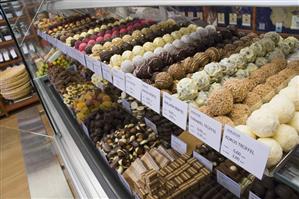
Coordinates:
(105, 175)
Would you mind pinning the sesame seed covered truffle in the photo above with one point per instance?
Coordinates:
(265, 91)
(253, 100)
(176, 71)
(237, 87)
(224, 120)
(220, 101)
(239, 114)
(163, 80)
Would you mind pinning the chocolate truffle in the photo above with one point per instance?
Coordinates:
(176, 71)
(202, 79)
(248, 54)
(176, 35)
(202, 59)
(213, 54)
(238, 89)
(187, 89)
(239, 114)
(159, 42)
(167, 38)
(155, 64)
(166, 58)
(170, 48)
(163, 80)
(220, 102)
(214, 70)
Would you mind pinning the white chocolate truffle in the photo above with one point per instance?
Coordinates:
(248, 54)
(257, 49)
(286, 136)
(292, 42)
(186, 39)
(285, 48)
(195, 36)
(149, 46)
(268, 44)
(159, 42)
(214, 86)
(170, 48)
(116, 60)
(158, 51)
(202, 98)
(228, 67)
(274, 36)
(138, 50)
(214, 70)
(178, 43)
(184, 31)
(263, 122)
(238, 60)
(127, 66)
(283, 107)
(211, 28)
(148, 55)
(241, 73)
(187, 89)
(293, 94)
(260, 61)
(251, 67)
(138, 60)
(202, 78)
(275, 154)
(276, 54)
(192, 27)
(176, 35)
(295, 122)
(167, 38)
(202, 31)
(127, 55)
(294, 82)
(246, 130)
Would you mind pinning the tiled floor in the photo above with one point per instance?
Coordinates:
(29, 166)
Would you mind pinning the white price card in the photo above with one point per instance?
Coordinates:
(232, 18)
(133, 86)
(253, 196)
(220, 18)
(97, 68)
(151, 125)
(150, 97)
(61, 46)
(205, 128)
(229, 184)
(13, 53)
(89, 62)
(246, 20)
(80, 57)
(119, 79)
(199, 15)
(25, 49)
(7, 37)
(207, 163)
(262, 26)
(245, 151)
(278, 27)
(295, 22)
(85, 130)
(6, 56)
(175, 110)
(126, 105)
(178, 145)
(190, 14)
(106, 71)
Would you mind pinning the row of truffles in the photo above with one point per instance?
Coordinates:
(118, 45)
(159, 174)
(148, 48)
(61, 78)
(102, 37)
(269, 188)
(174, 76)
(202, 83)
(276, 123)
(105, 122)
(125, 145)
(210, 154)
(131, 105)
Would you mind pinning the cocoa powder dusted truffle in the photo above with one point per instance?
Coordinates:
(224, 120)
(163, 80)
(265, 91)
(239, 114)
(176, 71)
(253, 101)
(276, 81)
(220, 101)
(237, 87)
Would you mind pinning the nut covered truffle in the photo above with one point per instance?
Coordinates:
(224, 120)
(220, 102)
(239, 114)
(238, 89)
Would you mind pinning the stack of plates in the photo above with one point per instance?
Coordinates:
(14, 82)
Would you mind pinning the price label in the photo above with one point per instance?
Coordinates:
(246, 20)
(200, 15)
(175, 110)
(262, 26)
(178, 145)
(229, 184)
(150, 97)
(278, 27)
(25, 49)
(7, 37)
(126, 105)
(220, 18)
(62, 46)
(119, 79)
(89, 63)
(52, 41)
(97, 68)
(244, 151)
(80, 57)
(205, 128)
(295, 22)
(233, 18)
(106, 71)
(253, 196)
(13, 53)
(207, 163)
(133, 86)
(31, 47)
(6, 56)
(151, 125)
(191, 14)
(85, 129)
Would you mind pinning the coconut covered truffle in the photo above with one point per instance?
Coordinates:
(245, 130)
(275, 154)
(239, 114)
(116, 60)
(286, 136)
(238, 89)
(253, 101)
(282, 107)
(294, 82)
(163, 80)
(224, 120)
(265, 91)
(187, 89)
(176, 71)
(295, 121)
(127, 66)
(220, 102)
(293, 94)
(202, 79)
(263, 122)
